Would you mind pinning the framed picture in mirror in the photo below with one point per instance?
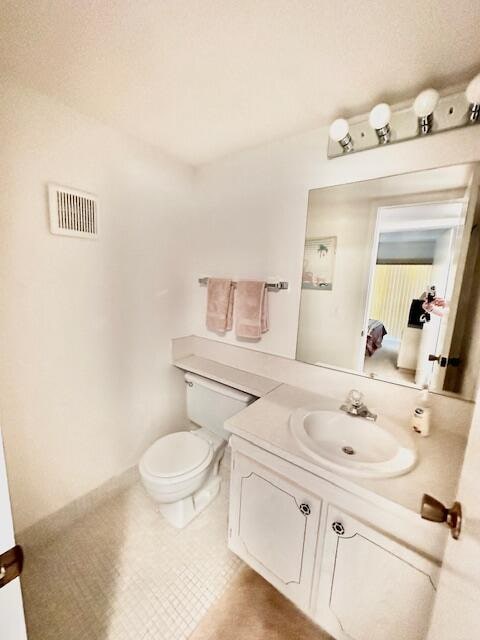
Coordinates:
(319, 263)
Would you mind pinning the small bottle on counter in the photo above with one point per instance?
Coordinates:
(420, 422)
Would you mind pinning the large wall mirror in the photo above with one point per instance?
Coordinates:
(391, 279)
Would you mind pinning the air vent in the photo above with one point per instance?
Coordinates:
(72, 213)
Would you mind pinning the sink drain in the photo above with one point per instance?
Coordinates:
(350, 451)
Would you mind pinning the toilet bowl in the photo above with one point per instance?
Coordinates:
(180, 470)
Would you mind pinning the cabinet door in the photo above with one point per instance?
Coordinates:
(273, 527)
(371, 587)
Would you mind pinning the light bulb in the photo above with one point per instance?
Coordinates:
(424, 106)
(473, 90)
(339, 132)
(338, 129)
(380, 116)
(473, 96)
(379, 120)
(425, 103)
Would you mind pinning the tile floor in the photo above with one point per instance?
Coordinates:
(122, 573)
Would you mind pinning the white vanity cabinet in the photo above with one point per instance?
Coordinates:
(273, 526)
(361, 570)
(371, 587)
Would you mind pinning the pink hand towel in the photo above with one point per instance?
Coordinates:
(219, 304)
(251, 309)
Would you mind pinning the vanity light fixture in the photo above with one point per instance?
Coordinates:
(379, 119)
(424, 106)
(430, 113)
(340, 132)
(473, 96)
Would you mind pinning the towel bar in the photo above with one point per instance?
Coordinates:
(272, 286)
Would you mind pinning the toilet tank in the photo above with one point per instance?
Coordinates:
(210, 403)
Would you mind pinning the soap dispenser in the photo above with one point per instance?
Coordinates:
(420, 422)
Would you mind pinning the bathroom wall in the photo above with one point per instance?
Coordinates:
(254, 205)
(85, 325)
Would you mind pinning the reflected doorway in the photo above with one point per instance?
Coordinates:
(411, 276)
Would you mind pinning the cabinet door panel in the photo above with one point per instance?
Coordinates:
(267, 510)
(273, 526)
(372, 587)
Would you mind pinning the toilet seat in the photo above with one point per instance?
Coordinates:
(176, 455)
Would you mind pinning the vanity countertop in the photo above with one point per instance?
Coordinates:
(266, 423)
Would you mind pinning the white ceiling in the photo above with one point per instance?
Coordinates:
(203, 78)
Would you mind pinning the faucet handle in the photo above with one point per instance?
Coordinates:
(355, 398)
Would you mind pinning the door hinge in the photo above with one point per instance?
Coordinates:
(11, 565)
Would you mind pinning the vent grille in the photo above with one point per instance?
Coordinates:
(72, 213)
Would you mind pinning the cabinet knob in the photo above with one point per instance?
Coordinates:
(305, 509)
(338, 528)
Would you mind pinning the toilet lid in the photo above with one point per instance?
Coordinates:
(176, 454)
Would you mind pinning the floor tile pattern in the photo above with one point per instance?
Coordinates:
(121, 572)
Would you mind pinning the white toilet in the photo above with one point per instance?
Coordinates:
(180, 470)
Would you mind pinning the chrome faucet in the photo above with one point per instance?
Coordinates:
(355, 406)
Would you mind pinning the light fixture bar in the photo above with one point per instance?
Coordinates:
(452, 111)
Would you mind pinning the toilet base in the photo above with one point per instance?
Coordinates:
(180, 513)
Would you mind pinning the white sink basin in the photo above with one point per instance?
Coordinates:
(353, 445)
